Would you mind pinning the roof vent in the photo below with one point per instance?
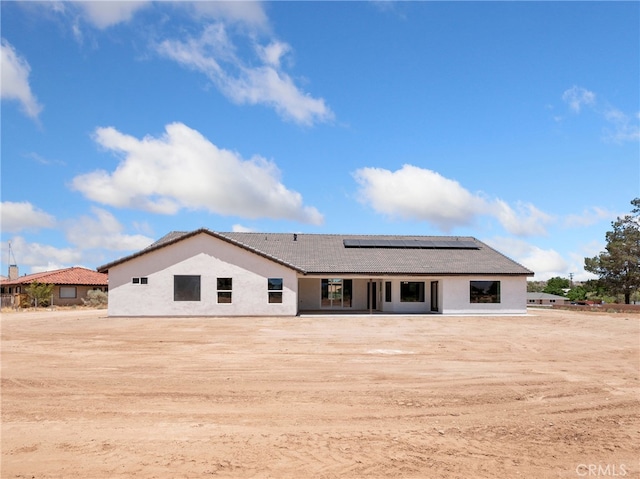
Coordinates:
(295, 237)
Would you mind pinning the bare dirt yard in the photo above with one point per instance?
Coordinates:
(553, 394)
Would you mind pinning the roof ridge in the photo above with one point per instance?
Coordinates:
(340, 234)
(320, 253)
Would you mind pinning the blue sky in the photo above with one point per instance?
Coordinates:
(513, 122)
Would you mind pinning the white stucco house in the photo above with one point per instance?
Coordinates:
(207, 273)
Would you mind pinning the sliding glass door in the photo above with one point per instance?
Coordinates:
(336, 293)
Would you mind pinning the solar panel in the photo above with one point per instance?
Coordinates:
(409, 244)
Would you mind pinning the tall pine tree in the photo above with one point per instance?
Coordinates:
(618, 267)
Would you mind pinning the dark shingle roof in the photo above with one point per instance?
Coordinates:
(537, 295)
(327, 254)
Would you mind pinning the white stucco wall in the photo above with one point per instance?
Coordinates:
(398, 307)
(210, 258)
(513, 296)
(359, 294)
(453, 295)
(309, 294)
(310, 291)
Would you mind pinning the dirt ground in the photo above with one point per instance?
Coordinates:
(554, 394)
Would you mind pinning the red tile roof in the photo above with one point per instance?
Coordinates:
(74, 276)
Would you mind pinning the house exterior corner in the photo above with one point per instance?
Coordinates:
(191, 278)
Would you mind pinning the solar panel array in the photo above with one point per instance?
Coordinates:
(410, 244)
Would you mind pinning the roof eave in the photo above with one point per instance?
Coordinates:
(105, 268)
(413, 273)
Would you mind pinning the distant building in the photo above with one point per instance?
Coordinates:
(207, 273)
(546, 299)
(70, 285)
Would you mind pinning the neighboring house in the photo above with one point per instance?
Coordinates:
(206, 273)
(70, 285)
(545, 299)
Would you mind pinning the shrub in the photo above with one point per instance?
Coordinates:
(96, 299)
(39, 294)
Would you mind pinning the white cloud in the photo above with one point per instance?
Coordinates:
(245, 12)
(104, 14)
(576, 97)
(238, 228)
(103, 232)
(414, 193)
(213, 54)
(576, 264)
(272, 53)
(89, 236)
(14, 80)
(39, 257)
(419, 194)
(22, 216)
(545, 263)
(42, 160)
(589, 217)
(624, 127)
(526, 221)
(183, 169)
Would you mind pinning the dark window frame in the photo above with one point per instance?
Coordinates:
(187, 287)
(225, 290)
(388, 298)
(484, 292)
(412, 292)
(275, 286)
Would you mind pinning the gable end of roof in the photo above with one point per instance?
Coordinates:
(177, 236)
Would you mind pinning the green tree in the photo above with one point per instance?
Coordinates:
(618, 267)
(39, 293)
(535, 286)
(579, 293)
(596, 292)
(557, 285)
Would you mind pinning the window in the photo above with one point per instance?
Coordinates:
(224, 290)
(186, 288)
(67, 292)
(387, 291)
(144, 280)
(336, 293)
(412, 292)
(274, 287)
(485, 291)
(135, 280)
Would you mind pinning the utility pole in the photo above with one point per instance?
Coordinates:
(12, 267)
